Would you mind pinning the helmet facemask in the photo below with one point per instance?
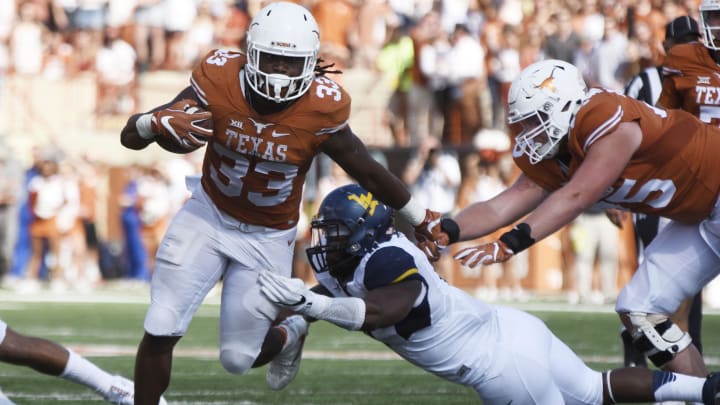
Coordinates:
(282, 30)
(331, 250)
(539, 138)
(279, 87)
(710, 24)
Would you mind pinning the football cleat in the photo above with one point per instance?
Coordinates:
(286, 364)
(121, 392)
(711, 390)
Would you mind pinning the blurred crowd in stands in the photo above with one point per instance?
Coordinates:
(449, 64)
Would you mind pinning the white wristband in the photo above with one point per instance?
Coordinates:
(413, 212)
(144, 126)
(345, 312)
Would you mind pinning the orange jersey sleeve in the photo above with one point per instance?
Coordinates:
(255, 165)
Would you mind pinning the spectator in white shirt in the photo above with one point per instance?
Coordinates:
(116, 77)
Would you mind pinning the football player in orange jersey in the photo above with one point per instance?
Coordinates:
(648, 87)
(691, 76)
(272, 110)
(579, 148)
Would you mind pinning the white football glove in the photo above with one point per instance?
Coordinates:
(291, 293)
(489, 253)
(287, 292)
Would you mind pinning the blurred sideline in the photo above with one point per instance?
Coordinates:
(36, 110)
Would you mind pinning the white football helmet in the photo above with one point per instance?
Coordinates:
(543, 100)
(284, 29)
(710, 23)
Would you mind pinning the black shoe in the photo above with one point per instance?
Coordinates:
(632, 357)
(711, 389)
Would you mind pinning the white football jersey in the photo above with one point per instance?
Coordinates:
(505, 355)
(442, 331)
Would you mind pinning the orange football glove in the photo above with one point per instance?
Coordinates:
(430, 237)
(183, 123)
(489, 253)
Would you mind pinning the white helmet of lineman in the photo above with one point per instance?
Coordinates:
(543, 100)
(284, 29)
(710, 23)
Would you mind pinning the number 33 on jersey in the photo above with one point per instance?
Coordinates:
(255, 165)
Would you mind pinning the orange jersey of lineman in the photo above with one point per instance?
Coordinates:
(255, 165)
(674, 173)
(691, 81)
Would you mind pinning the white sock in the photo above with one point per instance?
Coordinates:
(82, 371)
(669, 386)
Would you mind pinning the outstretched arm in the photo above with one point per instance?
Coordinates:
(602, 166)
(381, 307)
(482, 218)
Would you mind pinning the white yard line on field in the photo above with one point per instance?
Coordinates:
(203, 353)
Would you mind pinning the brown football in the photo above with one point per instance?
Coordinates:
(207, 124)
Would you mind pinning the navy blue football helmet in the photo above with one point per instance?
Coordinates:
(349, 223)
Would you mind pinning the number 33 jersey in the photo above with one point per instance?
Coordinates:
(255, 165)
(674, 173)
(691, 81)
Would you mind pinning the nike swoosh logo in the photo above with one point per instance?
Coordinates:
(302, 301)
(165, 121)
(276, 134)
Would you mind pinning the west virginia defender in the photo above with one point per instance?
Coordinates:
(273, 110)
(578, 148)
(375, 280)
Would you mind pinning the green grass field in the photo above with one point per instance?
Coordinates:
(339, 367)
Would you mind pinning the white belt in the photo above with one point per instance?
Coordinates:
(250, 228)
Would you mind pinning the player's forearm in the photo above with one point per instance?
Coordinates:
(506, 208)
(384, 185)
(378, 315)
(480, 219)
(345, 312)
(355, 314)
(558, 210)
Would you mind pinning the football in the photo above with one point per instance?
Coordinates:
(170, 145)
(207, 123)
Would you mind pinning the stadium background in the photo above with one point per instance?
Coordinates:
(37, 110)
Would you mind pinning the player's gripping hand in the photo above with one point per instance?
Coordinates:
(489, 253)
(183, 123)
(435, 233)
(429, 236)
(289, 293)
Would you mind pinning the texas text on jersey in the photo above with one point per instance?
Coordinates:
(671, 176)
(692, 82)
(255, 166)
